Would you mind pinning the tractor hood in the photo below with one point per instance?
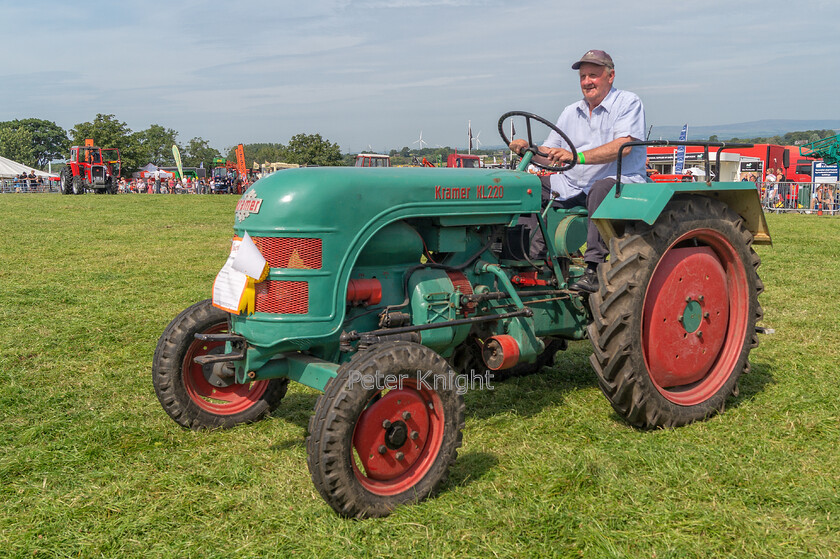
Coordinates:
(350, 199)
(312, 223)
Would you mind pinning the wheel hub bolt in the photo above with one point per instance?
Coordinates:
(699, 333)
(406, 415)
(386, 424)
(400, 456)
(414, 435)
(382, 449)
(705, 315)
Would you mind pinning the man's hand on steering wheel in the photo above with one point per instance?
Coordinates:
(550, 159)
(554, 156)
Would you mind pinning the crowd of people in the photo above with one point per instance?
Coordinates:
(777, 194)
(27, 183)
(170, 185)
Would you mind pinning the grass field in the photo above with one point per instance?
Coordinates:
(91, 466)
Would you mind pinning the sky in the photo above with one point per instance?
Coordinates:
(375, 74)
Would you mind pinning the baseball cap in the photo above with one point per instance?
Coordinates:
(598, 57)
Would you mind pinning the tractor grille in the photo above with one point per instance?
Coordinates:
(282, 297)
(290, 252)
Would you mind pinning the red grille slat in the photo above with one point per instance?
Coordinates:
(290, 252)
(282, 297)
(460, 282)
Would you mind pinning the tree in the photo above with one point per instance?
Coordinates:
(198, 151)
(16, 144)
(311, 149)
(156, 143)
(260, 153)
(48, 140)
(108, 132)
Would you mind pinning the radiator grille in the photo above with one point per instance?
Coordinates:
(282, 297)
(290, 252)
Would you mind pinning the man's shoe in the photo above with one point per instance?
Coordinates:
(588, 283)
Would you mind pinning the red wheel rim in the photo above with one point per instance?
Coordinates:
(385, 463)
(227, 400)
(696, 311)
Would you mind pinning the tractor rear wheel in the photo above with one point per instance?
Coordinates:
(66, 181)
(386, 430)
(183, 386)
(674, 318)
(78, 185)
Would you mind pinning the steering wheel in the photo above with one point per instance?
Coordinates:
(533, 147)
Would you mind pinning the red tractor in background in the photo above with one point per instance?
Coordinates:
(463, 161)
(91, 167)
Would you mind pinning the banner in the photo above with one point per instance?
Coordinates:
(177, 155)
(678, 166)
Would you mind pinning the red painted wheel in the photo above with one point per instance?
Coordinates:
(397, 438)
(184, 387)
(220, 400)
(674, 319)
(384, 434)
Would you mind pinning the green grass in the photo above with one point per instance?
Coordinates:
(91, 466)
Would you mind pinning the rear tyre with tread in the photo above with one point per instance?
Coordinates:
(674, 318)
(182, 385)
(373, 447)
(66, 180)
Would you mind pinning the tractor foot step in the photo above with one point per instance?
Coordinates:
(213, 359)
(233, 338)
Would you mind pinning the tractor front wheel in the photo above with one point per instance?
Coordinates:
(78, 185)
(184, 387)
(674, 318)
(386, 430)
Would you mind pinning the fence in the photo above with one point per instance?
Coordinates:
(801, 197)
(29, 185)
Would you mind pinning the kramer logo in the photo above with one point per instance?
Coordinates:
(248, 204)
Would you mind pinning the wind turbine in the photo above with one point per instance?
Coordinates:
(470, 138)
(421, 141)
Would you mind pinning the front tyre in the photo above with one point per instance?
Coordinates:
(386, 430)
(78, 185)
(182, 385)
(674, 318)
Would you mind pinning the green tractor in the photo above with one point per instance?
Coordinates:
(421, 288)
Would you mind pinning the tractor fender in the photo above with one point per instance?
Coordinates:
(645, 202)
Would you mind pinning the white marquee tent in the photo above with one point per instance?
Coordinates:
(10, 169)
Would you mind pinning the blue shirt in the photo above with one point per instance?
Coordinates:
(620, 114)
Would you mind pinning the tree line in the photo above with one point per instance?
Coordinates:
(36, 142)
(788, 139)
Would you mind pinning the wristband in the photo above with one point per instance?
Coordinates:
(581, 158)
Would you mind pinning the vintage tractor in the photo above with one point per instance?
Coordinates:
(394, 290)
(91, 167)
